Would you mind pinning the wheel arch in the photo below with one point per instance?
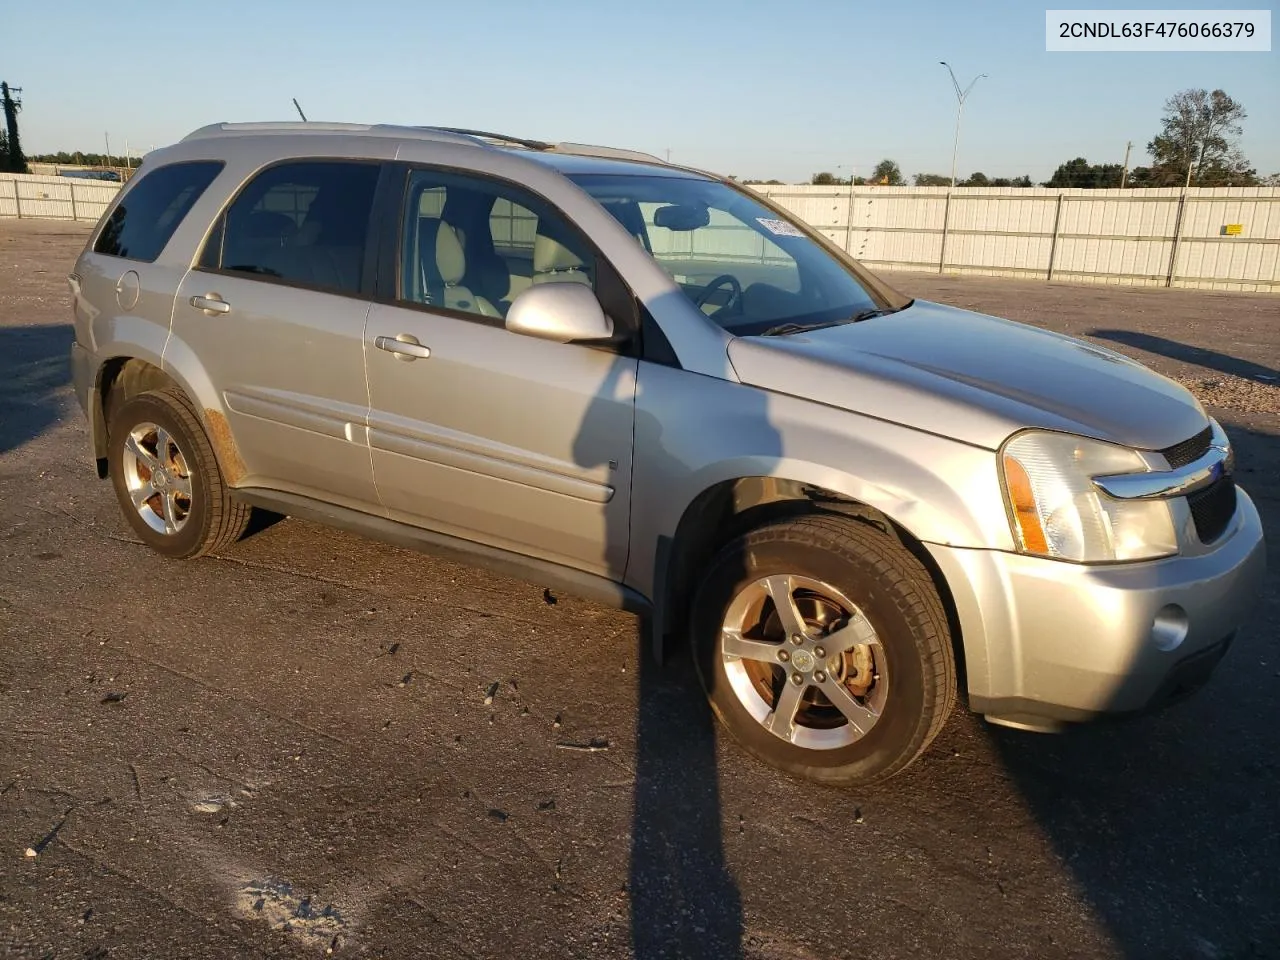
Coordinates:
(729, 508)
(124, 376)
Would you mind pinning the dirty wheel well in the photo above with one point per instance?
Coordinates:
(729, 509)
(120, 379)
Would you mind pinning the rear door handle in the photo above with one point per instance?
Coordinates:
(211, 304)
(405, 346)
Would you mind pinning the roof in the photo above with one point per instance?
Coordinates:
(567, 158)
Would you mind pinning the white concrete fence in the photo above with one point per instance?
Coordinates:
(1224, 238)
(54, 198)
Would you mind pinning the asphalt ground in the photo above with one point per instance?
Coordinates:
(316, 742)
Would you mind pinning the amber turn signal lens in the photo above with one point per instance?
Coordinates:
(1024, 507)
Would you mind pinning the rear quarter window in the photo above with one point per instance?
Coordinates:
(149, 212)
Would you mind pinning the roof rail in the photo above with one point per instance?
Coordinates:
(495, 137)
(459, 135)
(319, 127)
(607, 153)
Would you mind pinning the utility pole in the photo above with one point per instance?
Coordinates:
(961, 96)
(1191, 161)
(15, 162)
(1124, 171)
(299, 109)
(106, 138)
(668, 154)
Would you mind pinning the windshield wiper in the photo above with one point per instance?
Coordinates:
(784, 329)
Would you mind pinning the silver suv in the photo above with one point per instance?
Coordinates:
(647, 385)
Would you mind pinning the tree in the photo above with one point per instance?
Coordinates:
(1081, 173)
(1197, 143)
(887, 174)
(978, 179)
(1271, 181)
(931, 180)
(826, 179)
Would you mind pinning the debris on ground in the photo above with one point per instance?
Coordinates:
(548, 597)
(1235, 393)
(115, 696)
(212, 803)
(594, 745)
(38, 847)
(490, 693)
(279, 905)
(499, 815)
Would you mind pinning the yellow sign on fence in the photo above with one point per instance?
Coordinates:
(1232, 229)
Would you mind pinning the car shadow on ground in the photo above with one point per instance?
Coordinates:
(1185, 352)
(1167, 821)
(34, 366)
(684, 900)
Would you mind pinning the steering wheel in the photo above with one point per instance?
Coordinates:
(724, 280)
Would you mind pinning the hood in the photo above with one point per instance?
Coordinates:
(972, 377)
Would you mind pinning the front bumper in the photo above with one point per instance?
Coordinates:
(1047, 641)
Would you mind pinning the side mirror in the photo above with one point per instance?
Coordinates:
(559, 311)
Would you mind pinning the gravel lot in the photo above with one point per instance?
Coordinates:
(317, 742)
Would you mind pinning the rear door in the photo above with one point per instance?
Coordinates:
(275, 310)
(480, 433)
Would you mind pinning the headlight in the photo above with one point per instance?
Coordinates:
(1056, 511)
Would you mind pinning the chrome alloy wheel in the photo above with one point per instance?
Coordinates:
(804, 661)
(157, 477)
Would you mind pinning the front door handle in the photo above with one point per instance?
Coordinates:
(211, 304)
(405, 346)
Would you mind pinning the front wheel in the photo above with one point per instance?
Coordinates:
(823, 647)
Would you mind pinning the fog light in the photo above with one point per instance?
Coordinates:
(1169, 628)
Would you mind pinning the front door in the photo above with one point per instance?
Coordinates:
(495, 437)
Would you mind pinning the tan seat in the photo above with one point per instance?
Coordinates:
(451, 264)
(553, 262)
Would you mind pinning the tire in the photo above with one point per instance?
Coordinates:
(899, 685)
(201, 515)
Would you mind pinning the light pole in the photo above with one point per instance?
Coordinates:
(961, 96)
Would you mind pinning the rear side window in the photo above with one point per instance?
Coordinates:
(304, 223)
(148, 214)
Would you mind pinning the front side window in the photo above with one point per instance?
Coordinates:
(473, 245)
(305, 223)
(736, 259)
(151, 209)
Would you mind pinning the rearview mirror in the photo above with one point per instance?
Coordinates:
(683, 217)
(561, 311)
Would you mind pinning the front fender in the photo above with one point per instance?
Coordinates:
(693, 432)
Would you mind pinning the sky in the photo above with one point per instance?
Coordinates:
(751, 89)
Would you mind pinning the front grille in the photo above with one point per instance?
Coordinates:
(1212, 509)
(1188, 451)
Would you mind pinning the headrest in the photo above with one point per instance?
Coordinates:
(450, 259)
(549, 255)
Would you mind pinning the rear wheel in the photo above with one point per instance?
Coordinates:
(166, 477)
(823, 646)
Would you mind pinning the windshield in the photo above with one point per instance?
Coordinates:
(737, 260)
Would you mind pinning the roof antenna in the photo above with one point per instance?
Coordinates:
(299, 109)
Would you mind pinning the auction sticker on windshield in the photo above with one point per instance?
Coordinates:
(780, 228)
